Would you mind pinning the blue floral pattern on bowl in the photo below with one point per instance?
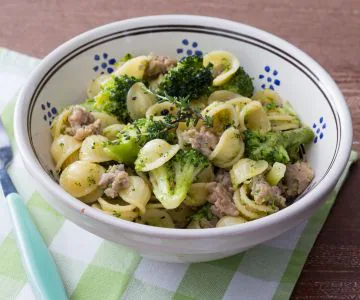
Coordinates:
(189, 48)
(269, 78)
(319, 129)
(50, 112)
(104, 63)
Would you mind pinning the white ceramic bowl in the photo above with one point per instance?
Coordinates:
(62, 77)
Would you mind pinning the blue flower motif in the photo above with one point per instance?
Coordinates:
(319, 129)
(190, 48)
(104, 63)
(50, 112)
(270, 78)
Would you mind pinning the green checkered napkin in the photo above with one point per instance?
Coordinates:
(96, 269)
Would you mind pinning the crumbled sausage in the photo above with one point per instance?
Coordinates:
(263, 192)
(221, 200)
(223, 176)
(80, 117)
(82, 124)
(297, 177)
(159, 65)
(85, 131)
(114, 180)
(202, 140)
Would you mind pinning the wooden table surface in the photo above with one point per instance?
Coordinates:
(328, 30)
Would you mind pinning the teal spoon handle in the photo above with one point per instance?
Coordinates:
(39, 265)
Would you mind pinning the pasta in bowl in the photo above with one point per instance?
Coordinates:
(182, 144)
(151, 170)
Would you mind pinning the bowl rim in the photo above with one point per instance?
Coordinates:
(312, 199)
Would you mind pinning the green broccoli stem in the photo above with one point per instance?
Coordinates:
(277, 146)
(129, 141)
(183, 167)
(296, 137)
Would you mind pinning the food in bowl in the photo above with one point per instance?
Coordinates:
(57, 82)
(181, 144)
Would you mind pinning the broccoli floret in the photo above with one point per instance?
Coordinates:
(172, 180)
(240, 83)
(151, 129)
(188, 79)
(126, 146)
(275, 146)
(112, 98)
(132, 137)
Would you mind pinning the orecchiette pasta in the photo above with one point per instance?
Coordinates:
(134, 67)
(200, 103)
(239, 103)
(282, 126)
(267, 96)
(225, 64)
(92, 149)
(112, 131)
(138, 193)
(138, 101)
(222, 114)
(71, 159)
(154, 154)
(179, 133)
(92, 197)
(280, 117)
(206, 175)
(125, 212)
(229, 149)
(62, 148)
(248, 208)
(221, 96)
(106, 119)
(229, 221)
(197, 194)
(115, 207)
(94, 87)
(144, 177)
(81, 178)
(159, 110)
(157, 217)
(181, 144)
(253, 116)
(245, 169)
(283, 119)
(154, 205)
(60, 122)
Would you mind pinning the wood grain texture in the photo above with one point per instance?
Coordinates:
(328, 30)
